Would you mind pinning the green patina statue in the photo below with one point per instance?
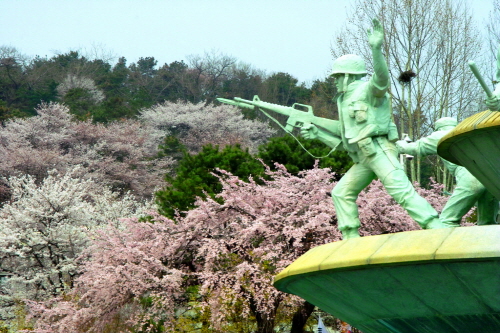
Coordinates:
(365, 130)
(468, 190)
(368, 135)
(493, 100)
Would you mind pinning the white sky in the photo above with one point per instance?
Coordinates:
(292, 36)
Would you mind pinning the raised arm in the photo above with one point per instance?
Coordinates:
(381, 72)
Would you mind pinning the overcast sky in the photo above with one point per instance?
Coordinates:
(292, 36)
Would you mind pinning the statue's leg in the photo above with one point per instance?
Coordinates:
(487, 209)
(390, 172)
(466, 193)
(344, 196)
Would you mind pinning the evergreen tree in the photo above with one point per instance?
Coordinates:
(194, 176)
(287, 151)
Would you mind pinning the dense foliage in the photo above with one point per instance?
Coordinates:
(217, 263)
(107, 91)
(194, 176)
(290, 152)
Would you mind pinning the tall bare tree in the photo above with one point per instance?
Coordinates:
(427, 45)
(209, 71)
(493, 27)
(493, 42)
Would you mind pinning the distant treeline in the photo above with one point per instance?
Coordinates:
(107, 90)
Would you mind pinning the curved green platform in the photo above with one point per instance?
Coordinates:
(475, 144)
(426, 281)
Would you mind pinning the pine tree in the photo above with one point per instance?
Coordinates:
(194, 176)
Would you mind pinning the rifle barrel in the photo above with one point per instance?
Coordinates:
(240, 104)
(478, 76)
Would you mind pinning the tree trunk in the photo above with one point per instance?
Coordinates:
(265, 323)
(300, 317)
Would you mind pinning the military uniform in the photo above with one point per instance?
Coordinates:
(368, 136)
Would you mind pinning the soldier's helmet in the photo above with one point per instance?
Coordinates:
(444, 122)
(349, 64)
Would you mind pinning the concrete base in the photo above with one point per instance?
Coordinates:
(441, 280)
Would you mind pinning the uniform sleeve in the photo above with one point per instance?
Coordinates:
(330, 139)
(378, 89)
(425, 146)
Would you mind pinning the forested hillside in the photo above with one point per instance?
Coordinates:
(107, 89)
(99, 147)
(132, 201)
(85, 144)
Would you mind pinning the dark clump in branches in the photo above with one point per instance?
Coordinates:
(406, 76)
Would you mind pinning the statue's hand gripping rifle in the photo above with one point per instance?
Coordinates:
(492, 101)
(299, 115)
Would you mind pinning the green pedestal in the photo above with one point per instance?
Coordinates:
(442, 280)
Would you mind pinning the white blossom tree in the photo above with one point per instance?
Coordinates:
(198, 124)
(46, 226)
(80, 82)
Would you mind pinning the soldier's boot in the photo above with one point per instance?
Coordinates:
(349, 233)
(437, 224)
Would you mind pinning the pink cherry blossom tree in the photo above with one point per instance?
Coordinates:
(138, 274)
(122, 155)
(126, 284)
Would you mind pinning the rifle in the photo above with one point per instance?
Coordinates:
(479, 77)
(296, 117)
